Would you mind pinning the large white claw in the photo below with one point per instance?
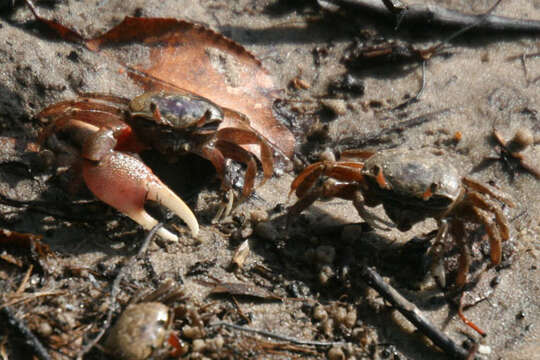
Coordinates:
(125, 183)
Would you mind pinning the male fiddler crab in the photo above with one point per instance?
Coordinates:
(103, 134)
(411, 186)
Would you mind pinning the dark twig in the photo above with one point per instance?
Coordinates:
(115, 289)
(413, 314)
(435, 15)
(30, 339)
(276, 336)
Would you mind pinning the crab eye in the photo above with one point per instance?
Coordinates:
(153, 106)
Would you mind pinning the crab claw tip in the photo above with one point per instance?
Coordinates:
(167, 235)
(160, 193)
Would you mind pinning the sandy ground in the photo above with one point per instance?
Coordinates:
(475, 83)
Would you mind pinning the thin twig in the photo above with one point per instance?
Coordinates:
(30, 339)
(435, 15)
(23, 283)
(413, 314)
(115, 289)
(480, 20)
(276, 336)
(416, 97)
(30, 297)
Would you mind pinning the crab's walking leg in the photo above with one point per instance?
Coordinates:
(457, 230)
(125, 183)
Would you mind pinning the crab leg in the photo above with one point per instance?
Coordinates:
(464, 261)
(491, 191)
(342, 170)
(501, 221)
(125, 183)
(242, 136)
(237, 153)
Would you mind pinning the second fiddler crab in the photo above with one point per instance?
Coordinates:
(411, 185)
(102, 134)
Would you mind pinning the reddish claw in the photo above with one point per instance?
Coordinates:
(132, 183)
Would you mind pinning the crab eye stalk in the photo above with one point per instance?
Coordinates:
(379, 177)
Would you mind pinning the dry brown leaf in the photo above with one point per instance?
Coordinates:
(191, 57)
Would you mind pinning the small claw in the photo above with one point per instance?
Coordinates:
(125, 183)
(371, 218)
(438, 272)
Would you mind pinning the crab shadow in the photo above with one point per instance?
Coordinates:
(317, 235)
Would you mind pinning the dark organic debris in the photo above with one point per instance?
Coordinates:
(25, 241)
(413, 314)
(30, 339)
(511, 152)
(240, 289)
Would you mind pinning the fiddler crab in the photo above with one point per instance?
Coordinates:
(411, 186)
(102, 135)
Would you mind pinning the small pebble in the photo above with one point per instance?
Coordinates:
(335, 353)
(521, 140)
(327, 327)
(68, 319)
(340, 315)
(484, 349)
(198, 345)
(258, 216)
(319, 313)
(337, 106)
(325, 274)
(44, 329)
(350, 319)
(192, 332)
(215, 344)
(327, 155)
